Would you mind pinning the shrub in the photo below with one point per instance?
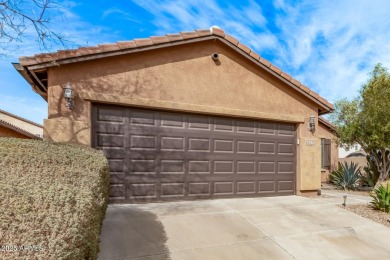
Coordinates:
(371, 172)
(346, 176)
(53, 196)
(381, 196)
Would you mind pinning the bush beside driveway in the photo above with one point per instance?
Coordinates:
(53, 200)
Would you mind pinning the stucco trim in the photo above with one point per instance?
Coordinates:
(185, 107)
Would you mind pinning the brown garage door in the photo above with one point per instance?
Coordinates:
(159, 156)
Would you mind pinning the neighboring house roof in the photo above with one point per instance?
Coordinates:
(327, 123)
(32, 68)
(360, 153)
(18, 129)
(20, 118)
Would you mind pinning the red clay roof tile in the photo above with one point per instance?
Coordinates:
(143, 42)
(203, 32)
(304, 88)
(255, 55)
(218, 31)
(265, 62)
(286, 76)
(189, 35)
(314, 94)
(276, 69)
(108, 47)
(295, 82)
(159, 39)
(244, 48)
(231, 39)
(88, 50)
(175, 37)
(126, 44)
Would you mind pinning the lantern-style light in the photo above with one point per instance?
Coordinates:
(69, 96)
(312, 123)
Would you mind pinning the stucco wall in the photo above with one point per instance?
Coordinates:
(323, 132)
(181, 77)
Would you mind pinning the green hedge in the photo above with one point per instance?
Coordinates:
(53, 198)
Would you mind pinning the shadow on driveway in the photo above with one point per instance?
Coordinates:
(130, 232)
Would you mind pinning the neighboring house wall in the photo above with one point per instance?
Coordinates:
(326, 133)
(360, 161)
(22, 123)
(7, 132)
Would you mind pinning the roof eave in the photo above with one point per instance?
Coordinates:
(35, 86)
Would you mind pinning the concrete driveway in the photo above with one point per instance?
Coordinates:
(289, 227)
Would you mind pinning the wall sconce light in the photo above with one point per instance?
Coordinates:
(69, 96)
(312, 124)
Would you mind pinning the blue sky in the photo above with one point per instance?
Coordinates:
(330, 46)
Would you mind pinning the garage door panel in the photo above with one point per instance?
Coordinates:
(172, 143)
(199, 189)
(110, 140)
(246, 187)
(172, 190)
(266, 186)
(109, 128)
(110, 115)
(142, 190)
(113, 152)
(157, 156)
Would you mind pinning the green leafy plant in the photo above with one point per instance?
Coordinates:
(347, 176)
(371, 172)
(365, 119)
(381, 196)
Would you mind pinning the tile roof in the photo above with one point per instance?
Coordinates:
(18, 129)
(169, 38)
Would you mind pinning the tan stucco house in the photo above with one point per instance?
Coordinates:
(15, 126)
(193, 115)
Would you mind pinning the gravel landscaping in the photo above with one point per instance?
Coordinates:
(366, 211)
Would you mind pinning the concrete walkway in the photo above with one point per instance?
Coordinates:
(290, 227)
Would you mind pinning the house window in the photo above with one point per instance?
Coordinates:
(325, 153)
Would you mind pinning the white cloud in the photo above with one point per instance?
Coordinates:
(329, 45)
(332, 45)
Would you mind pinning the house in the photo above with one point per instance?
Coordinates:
(358, 157)
(329, 148)
(344, 151)
(15, 126)
(193, 115)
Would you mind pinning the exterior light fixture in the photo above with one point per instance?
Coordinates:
(312, 124)
(69, 96)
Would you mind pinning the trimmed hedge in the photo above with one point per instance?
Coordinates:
(53, 198)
